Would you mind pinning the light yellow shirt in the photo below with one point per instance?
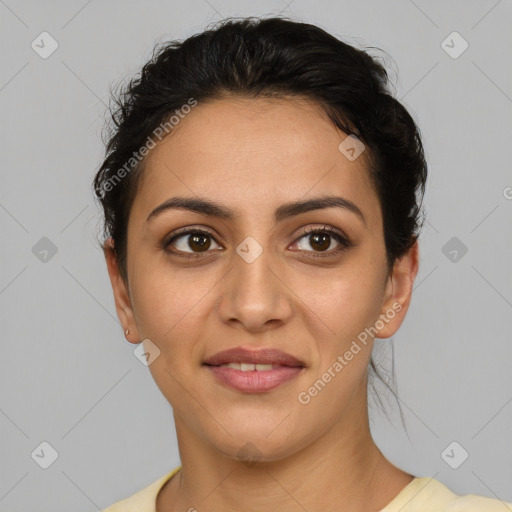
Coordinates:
(423, 494)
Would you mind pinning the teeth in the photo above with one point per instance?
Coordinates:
(249, 367)
(235, 366)
(263, 367)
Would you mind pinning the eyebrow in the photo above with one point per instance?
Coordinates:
(207, 207)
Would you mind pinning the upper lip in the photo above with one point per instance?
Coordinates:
(261, 356)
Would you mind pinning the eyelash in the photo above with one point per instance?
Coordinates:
(341, 239)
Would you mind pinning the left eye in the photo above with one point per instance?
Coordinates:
(322, 240)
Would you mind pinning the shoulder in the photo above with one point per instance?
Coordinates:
(428, 494)
(143, 500)
(474, 503)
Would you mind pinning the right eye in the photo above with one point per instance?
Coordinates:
(190, 242)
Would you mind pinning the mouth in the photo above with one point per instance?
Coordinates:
(262, 357)
(249, 367)
(253, 371)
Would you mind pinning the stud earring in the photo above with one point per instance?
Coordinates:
(126, 332)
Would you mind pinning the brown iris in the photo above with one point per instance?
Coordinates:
(320, 241)
(199, 241)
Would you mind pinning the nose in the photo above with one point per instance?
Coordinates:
(255, 295)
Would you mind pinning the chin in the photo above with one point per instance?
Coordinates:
(259, 443)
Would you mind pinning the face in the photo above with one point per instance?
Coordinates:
(265, 274)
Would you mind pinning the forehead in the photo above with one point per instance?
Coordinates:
(250, 153)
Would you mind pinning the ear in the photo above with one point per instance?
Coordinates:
(397, 295)
(121, 295)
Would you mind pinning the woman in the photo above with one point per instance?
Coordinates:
(262, 196)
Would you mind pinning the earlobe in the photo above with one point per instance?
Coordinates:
(121, 296)
(398, 292)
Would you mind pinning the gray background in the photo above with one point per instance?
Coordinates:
(68, 377)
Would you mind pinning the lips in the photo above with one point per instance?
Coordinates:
(254, 357)
(253, 371)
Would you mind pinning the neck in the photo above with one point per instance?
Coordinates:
(342, 467)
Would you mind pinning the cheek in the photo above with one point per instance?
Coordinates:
(347, 301)
(167, 311)
(167, 301)
(348, 308)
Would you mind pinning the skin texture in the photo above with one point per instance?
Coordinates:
(253, 155)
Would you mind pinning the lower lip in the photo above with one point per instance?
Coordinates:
(254, 381)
